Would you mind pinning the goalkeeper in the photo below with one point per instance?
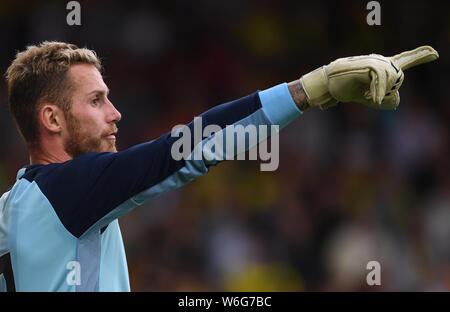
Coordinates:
(58, 223)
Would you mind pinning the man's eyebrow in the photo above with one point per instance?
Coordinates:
(99, 92)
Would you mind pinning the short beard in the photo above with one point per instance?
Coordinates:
(79, 144)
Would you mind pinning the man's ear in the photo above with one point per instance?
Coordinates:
(51, 118)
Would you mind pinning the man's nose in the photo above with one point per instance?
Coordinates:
(113, 115)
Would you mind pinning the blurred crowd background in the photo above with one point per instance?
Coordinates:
(353, 184)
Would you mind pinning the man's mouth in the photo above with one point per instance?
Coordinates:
(111, 136)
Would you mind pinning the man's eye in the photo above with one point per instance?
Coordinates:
(95, 101)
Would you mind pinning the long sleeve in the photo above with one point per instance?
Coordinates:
(90, 191)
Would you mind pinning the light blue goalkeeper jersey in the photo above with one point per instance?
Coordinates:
(59, 227)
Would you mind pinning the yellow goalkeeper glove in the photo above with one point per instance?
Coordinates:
(372, 80)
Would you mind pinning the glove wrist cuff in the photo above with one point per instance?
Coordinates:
(315, 85)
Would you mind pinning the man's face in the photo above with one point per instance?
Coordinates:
(91, 121)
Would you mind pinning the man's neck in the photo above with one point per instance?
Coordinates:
(47, 157)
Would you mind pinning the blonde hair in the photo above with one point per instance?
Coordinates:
(39, 74)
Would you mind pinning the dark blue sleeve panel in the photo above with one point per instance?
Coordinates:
(85, 189)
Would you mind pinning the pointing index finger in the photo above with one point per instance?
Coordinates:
(408, 59)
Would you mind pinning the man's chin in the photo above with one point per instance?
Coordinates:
(110, 146)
